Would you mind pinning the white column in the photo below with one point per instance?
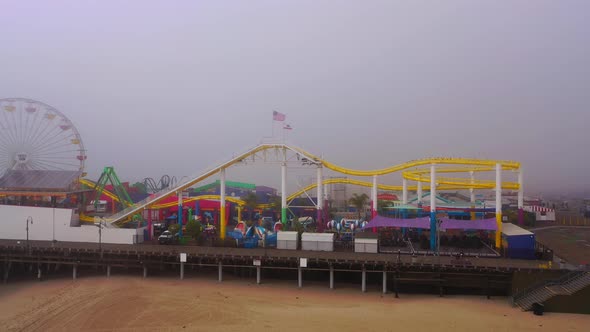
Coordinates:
(258, 275)
(374, 196)
(498, 189)
(419, 191)
(433, 225)
(404, 191)
(284, 188)
(331, 277)
(433, 188)
(222, 186)
(499, 205)
(471, 190)
(364, 280)
(222, 216)
(319, 188)
(520, 190)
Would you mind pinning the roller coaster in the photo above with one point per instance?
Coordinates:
(411, 171)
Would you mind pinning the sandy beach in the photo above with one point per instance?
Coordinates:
(129, 303)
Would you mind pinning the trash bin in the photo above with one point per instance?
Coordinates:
(538, 309)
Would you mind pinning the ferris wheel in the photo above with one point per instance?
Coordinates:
(36, 136)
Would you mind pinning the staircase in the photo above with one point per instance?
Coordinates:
(539, 293)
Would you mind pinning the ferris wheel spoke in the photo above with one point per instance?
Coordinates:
(56, 138)
(41, 132)
(53, 153)
(36, 165)
(25, 127)
(4, 141)
(16, 126)
(47, 131)
(57, 154)
(51, 148)
(6, 134)
(55, 144)
(50, 165)
(53, 131)
(34, 124)
(9, 128)
(55, 162)
(21, 126)
(45, 136)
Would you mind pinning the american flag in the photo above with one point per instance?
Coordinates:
(276, 116)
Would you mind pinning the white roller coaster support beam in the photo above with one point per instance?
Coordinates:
(284, 187)
(472, 195)
(520, 198)
(471, 190)
(404, 191)
(499, 205)
(520, 190)
(223, 217)
(320, 195)
(433, 225)
(374, 196)
(179, 213)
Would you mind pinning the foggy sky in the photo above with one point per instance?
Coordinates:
(171, 87)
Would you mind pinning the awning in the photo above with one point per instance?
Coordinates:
(480, 224)
(380, 221)
(424, 223)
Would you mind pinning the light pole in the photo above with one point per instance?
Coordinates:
(100, 222)
(29, 220)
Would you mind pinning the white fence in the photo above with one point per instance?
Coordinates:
(57, 224)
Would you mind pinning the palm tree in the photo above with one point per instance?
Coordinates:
(251, 201)
(359, 202)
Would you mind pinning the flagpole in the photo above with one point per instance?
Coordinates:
(273, 125)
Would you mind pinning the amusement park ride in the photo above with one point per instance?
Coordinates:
(35, 136)
(426, 178)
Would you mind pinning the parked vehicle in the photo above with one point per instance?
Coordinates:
(168, 238)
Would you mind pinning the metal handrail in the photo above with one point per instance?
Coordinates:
(544, 283)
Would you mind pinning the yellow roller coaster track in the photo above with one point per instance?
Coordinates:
(411, 171)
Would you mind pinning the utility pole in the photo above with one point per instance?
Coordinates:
(29, 220)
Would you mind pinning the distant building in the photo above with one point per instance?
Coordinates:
(542, 213)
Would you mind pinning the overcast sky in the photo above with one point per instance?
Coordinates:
(170, 87)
